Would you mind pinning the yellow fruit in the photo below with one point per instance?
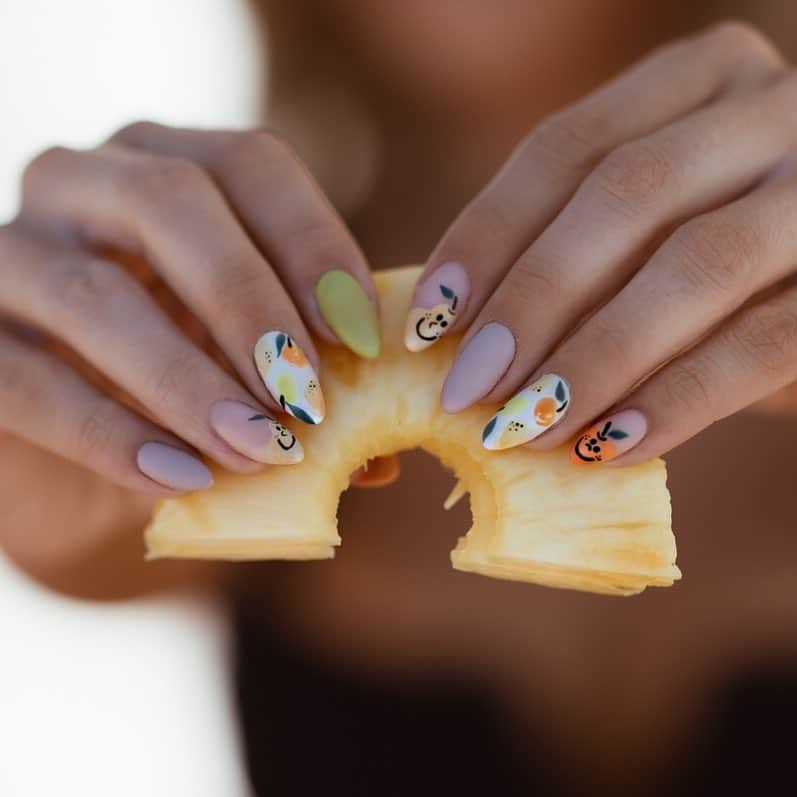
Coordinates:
(536, 516)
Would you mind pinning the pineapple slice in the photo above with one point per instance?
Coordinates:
(536, 516)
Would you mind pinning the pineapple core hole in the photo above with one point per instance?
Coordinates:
(413, 503)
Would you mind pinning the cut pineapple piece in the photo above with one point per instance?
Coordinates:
(536, 516)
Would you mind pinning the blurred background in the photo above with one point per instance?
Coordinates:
(78, 681)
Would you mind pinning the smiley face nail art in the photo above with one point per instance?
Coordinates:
(289, 377)
(254, 434)
(437, 301)
(280, 446)
(609, 438)
(528, 414)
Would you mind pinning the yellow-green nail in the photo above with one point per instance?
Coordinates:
(351, 315)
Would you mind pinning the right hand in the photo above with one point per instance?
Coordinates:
(93, 369)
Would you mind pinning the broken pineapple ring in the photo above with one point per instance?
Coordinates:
(537, 517)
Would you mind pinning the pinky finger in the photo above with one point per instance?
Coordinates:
(752, 355)
(45, 402)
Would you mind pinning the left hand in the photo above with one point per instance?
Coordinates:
(631, 267)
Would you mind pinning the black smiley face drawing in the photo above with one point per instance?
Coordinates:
(432, 324)
(285, 438)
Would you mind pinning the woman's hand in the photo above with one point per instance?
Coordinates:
(628, 275)
(240, 240)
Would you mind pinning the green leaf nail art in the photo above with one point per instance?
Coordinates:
(560, 391)
(447, 292)
(617, 434)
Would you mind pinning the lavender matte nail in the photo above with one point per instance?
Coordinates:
(172, 467)
(479, 367)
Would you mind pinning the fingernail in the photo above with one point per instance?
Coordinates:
(528, 414)
(172, 467)
(351, 315)
(436, 303)
(254, 434)
(479, 367)
(289, 377)
(610, 437)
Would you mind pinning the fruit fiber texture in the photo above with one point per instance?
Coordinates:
(537, 516)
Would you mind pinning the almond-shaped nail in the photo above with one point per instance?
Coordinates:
(289, 377)
(254, 434)
(437, 301)
(532, 411)
(172, 467)
(349, 311)
(607, 439)
(478, 367)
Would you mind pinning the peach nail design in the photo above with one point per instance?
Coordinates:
(289, 377)
(610, 437)
(528, 414)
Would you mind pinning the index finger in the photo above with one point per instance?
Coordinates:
(289, 219)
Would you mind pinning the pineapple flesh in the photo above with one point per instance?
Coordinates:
(537, 517)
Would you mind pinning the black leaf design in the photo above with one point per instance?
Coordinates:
(299, 413)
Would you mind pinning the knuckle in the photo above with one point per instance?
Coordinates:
(743, 39)
(150, 180)
(242, 151)
(533, 280)
(41, 166)
(766, 335)
(95, 434)
(173, 381)
(633, 174)
(715, 254)
(686, 387)
(87, 287)
(238, 288)
(566, 138)
(136, 131)
(609, 343)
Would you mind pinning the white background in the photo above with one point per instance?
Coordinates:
(132, 699)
